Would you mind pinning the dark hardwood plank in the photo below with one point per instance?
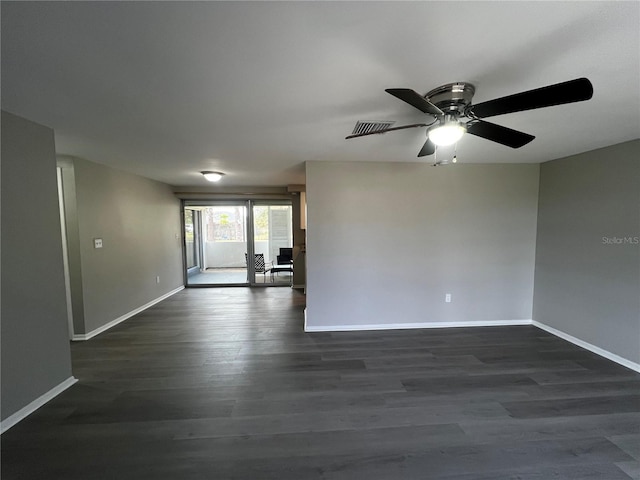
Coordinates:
(562, 407)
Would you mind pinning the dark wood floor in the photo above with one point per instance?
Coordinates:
(224, 384)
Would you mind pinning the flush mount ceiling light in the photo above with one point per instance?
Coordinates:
(447, 133)
(213, 176)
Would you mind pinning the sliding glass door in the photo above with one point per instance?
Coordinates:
(238, 243)
(272, 243)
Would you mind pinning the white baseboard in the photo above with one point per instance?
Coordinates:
(588, 346)
(404, 326)
(86, 336)
(36, 404)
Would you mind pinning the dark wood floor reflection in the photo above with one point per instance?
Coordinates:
(224, 384)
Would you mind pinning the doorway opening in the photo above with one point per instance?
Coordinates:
(221, 239)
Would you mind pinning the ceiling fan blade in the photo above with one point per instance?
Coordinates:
(497, 133)
(386, 130)
(427, 149)
(414, 99)
(576, 90)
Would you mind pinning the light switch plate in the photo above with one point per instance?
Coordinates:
(97, 243)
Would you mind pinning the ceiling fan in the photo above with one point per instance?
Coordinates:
(451, 102)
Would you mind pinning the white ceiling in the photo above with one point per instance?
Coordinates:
(255, 89)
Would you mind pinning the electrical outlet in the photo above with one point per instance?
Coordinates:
(158, 279)
(447, 297)
(97, 243)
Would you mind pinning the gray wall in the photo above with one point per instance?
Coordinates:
(139, 222)
(386, 241)
(35, 342)
(586, 283)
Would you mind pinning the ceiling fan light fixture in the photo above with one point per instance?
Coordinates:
(447, 133)
(213, 176)
(447, 103)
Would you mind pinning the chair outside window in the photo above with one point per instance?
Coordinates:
(260, 266)
(286, 256)
(284, 263)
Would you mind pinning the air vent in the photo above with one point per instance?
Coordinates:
(370, 127)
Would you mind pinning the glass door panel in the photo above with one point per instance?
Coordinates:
(191, 237)
(222, 246)
(272, 244)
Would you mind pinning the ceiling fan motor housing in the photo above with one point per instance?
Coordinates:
(452, 98)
